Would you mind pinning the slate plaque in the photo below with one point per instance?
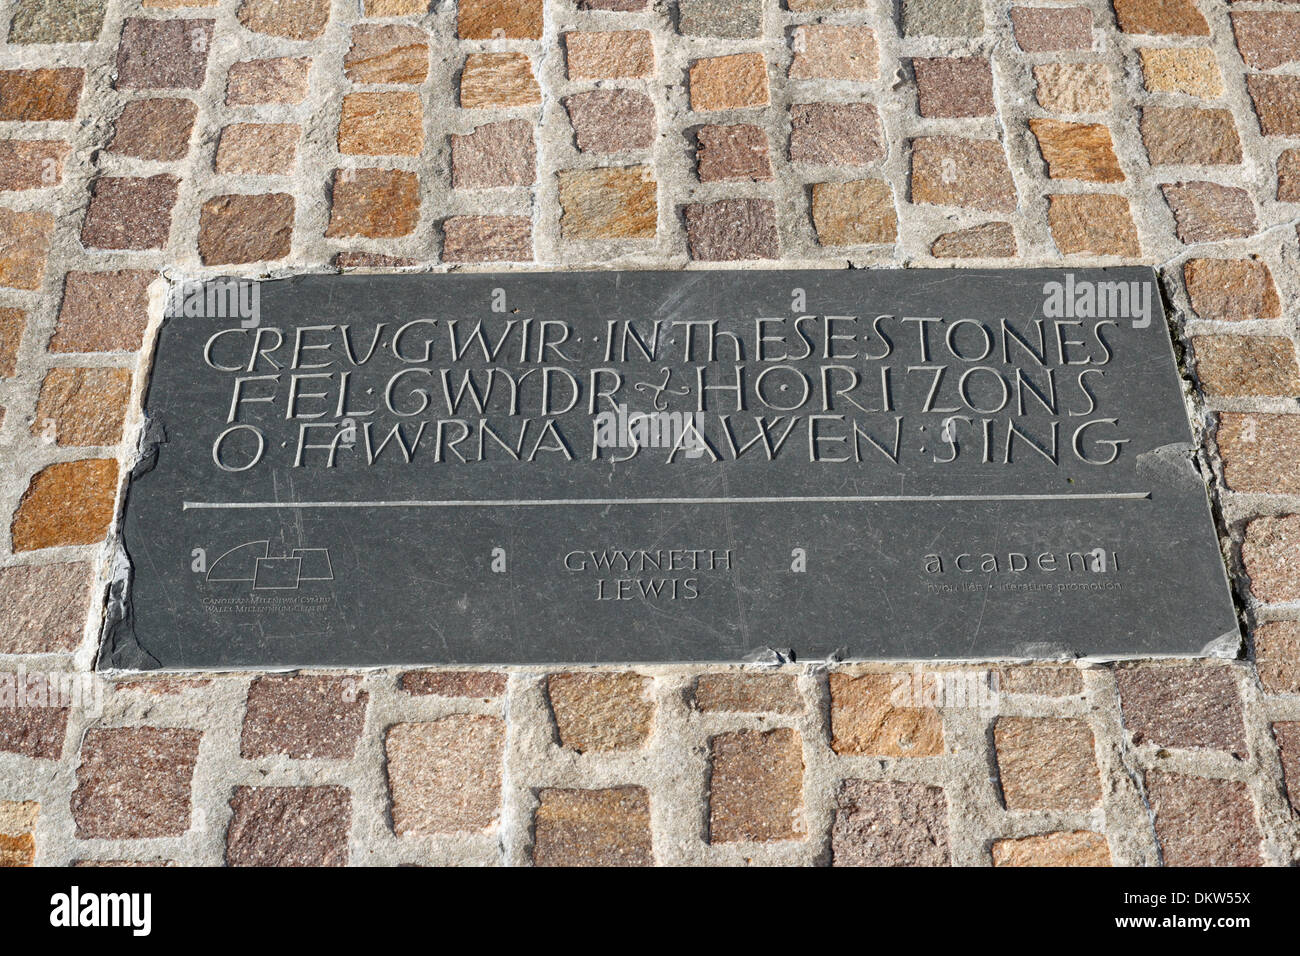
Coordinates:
(665, 466)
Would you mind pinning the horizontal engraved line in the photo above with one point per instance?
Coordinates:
(602, 502)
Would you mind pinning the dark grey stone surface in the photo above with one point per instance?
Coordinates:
(946, 546)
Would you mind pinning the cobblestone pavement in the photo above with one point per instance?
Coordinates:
(251, 137)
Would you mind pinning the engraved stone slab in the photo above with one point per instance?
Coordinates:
(653, 466)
